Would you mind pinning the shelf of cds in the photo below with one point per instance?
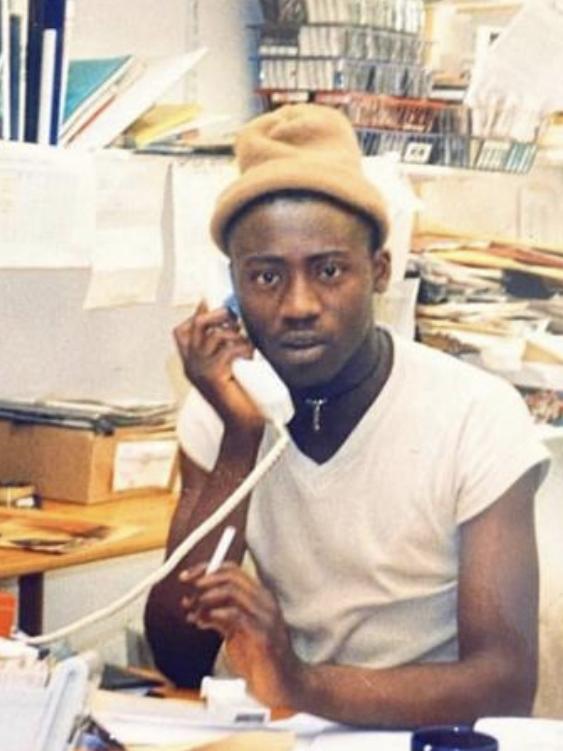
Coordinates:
(367, 57)
(421, 131)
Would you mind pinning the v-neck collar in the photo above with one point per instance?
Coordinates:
(350, 450)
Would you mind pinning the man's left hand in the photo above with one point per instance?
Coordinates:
(249, 619)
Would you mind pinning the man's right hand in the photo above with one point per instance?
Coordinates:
(208, 342)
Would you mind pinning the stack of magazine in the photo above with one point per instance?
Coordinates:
(99, 417)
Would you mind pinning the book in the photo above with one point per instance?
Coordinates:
(55, 21)
(33, 65)
(19, 11)
(76, 125)
(88, 80)
(5, 68)
(15, 41)
(160, 122)
(135, 99)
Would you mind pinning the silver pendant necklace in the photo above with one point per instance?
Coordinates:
(316, 405)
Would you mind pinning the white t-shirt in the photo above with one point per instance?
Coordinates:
(362, 550)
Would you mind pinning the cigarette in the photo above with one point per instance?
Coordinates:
(221, 550)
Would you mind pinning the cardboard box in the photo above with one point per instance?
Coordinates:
(82, 466)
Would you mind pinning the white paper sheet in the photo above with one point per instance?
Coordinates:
(519, 79)
(47, 207)
(388, 175)
(195, 188)
(146, 720)
(524, 733)
(143, 464)
(362, 740)
(128, 253)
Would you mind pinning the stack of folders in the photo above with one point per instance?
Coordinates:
(40, 705)
(48, 99)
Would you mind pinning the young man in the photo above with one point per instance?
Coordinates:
(394, 539)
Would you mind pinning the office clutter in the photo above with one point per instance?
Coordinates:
(87, 453)
(55, 705)
(498, 305)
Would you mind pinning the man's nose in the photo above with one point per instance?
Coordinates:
(300, 301)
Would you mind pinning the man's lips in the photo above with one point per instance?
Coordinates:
(302, 348)
(297, 341)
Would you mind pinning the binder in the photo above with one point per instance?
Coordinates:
(15, 37)
(55, 15)
(33, 62)
(5, 67)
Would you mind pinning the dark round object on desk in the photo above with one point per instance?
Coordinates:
(452, 738)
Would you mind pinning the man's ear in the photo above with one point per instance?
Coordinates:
(381, 265)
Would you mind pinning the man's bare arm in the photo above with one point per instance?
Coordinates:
(181, 651)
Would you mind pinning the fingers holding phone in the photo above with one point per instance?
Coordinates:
(208, 343)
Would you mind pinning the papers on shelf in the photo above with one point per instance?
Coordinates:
(45, 234)
(518, 81)
(128, 249)
(195, 188)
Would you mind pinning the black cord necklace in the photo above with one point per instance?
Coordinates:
(377, 365)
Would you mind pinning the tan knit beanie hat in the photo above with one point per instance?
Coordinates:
(299, 147)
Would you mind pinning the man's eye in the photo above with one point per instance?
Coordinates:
(330, 271)
(265, 278)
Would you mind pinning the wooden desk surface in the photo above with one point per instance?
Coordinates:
(150, 513)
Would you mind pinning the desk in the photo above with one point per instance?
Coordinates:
(150, 513)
